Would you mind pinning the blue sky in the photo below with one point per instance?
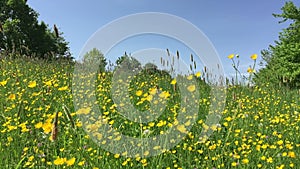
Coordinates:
(233, 26)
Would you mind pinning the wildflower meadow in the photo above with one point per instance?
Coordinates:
(258, 128)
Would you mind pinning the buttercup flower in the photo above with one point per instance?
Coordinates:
(253, 57)
(231, 56)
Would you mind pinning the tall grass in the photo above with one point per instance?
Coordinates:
(259, 126)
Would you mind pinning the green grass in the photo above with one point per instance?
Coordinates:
(259, 125)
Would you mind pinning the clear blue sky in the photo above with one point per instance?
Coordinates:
(233, 26)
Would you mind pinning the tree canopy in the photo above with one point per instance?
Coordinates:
(128, 62)
(20, 32)
(95, 56)
(283, 59)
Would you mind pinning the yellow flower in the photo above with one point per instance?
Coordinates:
(291, 154)
(35, 93)
(173, 81)
(31, 158)
(83, 111)
(59, 161)
(250, 70)
(139, 92)
(78, 124)
(153, 91)
(270, 160)
(48, 83)
(245, 161)
(25, 149)
(228, 119)
(117, 155)
(198, 74)
(124, 163)
(181, 128)
(10, 139)
(190, 77)
(161, 123)
(191, 88)
(3, 83)
(164, 94)
(81, 163)
(231, 56)
(253, 57)
(234, 164)
(12, 97)
(149, 98)
(63, 88)
(47, 127)
(280, 142)
(280, 167)
(71, 161)
(32, 84)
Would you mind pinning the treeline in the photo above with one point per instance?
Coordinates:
(22, 35)
(282, 60)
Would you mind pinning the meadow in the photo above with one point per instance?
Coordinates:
(259, 126)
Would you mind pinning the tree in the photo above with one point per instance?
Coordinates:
(128, 63)
(94, 56)
(22, 33)
(283, 59)
(150, 66)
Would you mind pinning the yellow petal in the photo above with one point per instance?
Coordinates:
(231, 56)
(253, 57)
(139, 93)
(190, 77)
(191, 88)
(32, 84)
(198, 74)
(173, 81)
